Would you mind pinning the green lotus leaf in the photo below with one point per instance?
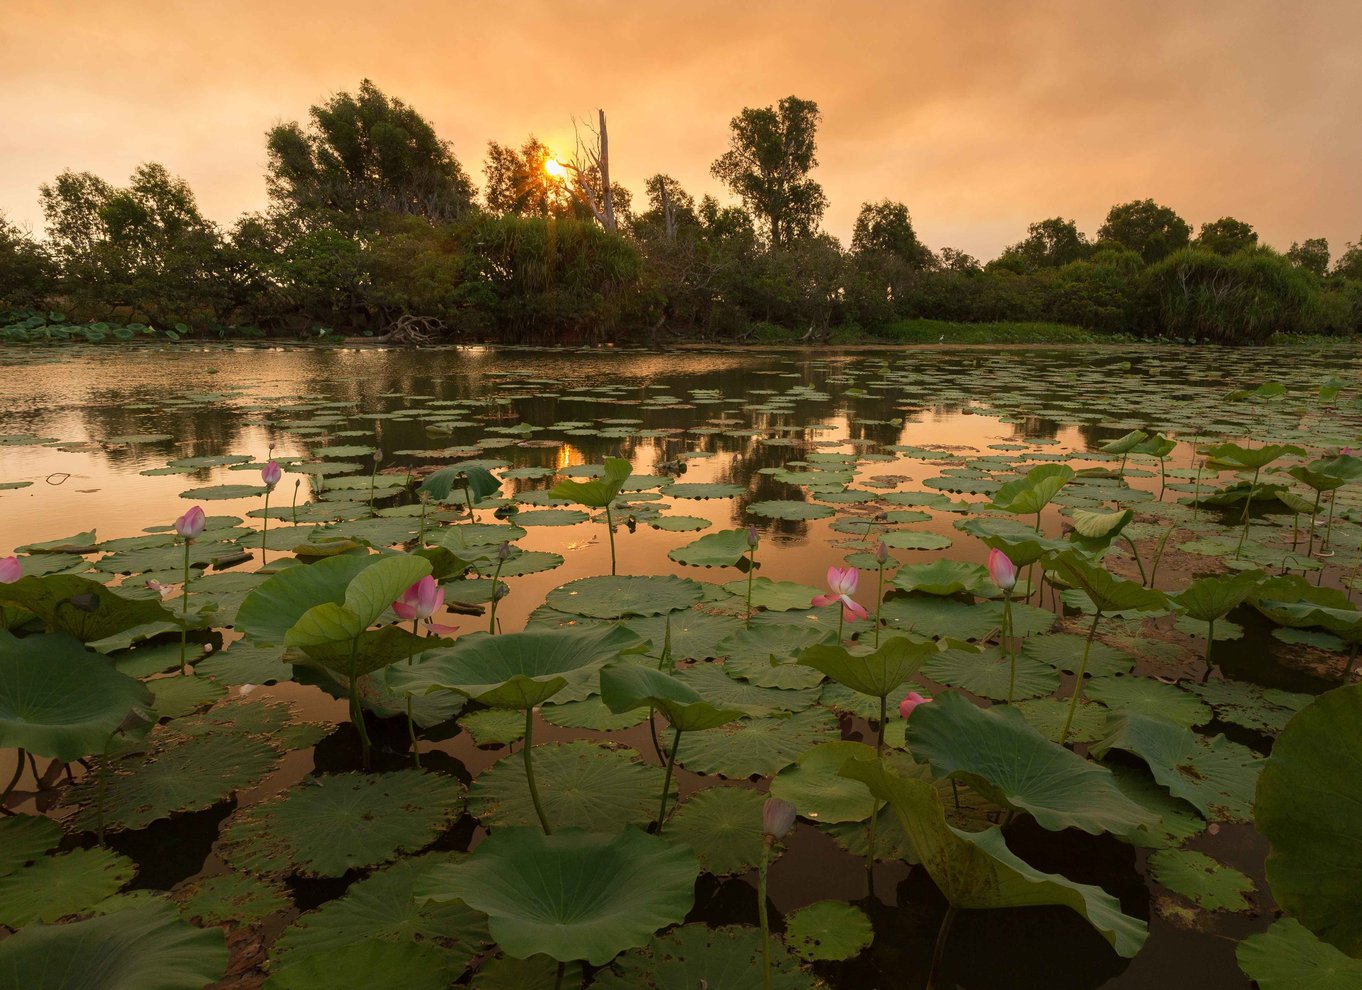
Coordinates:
(174, 774)
(1177, 821)
(368, 595)
(716, 685)
(584, 785)
(82, 607)
(700, 490)
(1149, 697)
(272, 609)
(551, 517)
(773, 596)
(696, 955)
(930, 615)
(790, 511)
(58, 699)
(538, 972)
(232, 898)
(371, 963)
(627, 686)
(610, 597)
(1306, 806)
(1292, 601)
(1289, 956)
(989, 674)
(599, 492)
(1107, 593)
(724, 827)
(477, 481)
(1033, 491)
(758, 746)
(1126, 444)
(828, 930)
(1157, 445)
(977, 870)
(571, 895)
(766, 656)
(523, 669)
(1231, 456)
(911, 539)
(23, 838)
(680, 524)
(329, 825)
(1209, 599)
(815, 786)
(55, 886)
(1240, 703)
(878, 674)
(382, 907)
(944, 577)
(1203, 881)
(178, 696)
(1049, 715)
(494, 726)
(999, 754)
(366, 652)
(215, 493)
(242, 663)
(1094, 531)
(1022, 544)
(1216, 776)
(589, 714)
(1064, 651)
(722, 549)
(146, 947)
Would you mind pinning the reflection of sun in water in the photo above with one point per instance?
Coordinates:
(555, 168)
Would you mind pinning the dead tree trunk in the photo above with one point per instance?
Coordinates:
(591, 164)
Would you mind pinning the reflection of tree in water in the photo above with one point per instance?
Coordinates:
(197, 430)
(1035, 428)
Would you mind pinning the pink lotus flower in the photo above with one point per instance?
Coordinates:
(777, 817)
(421, 601)
(907, 705)
(10, 571)
(1002, 570)
(192, 523)
(843, 582)
(164, 590)
(271, 473)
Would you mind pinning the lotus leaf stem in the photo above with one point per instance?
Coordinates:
(1310, 542)
(558, 979)
(1158, 553)
(939, 952)
(751, 572)
(356, 710)
(1078, 680)
(525, 748)
(1248, 504)
(1135, 551)
(1329, 529)
(762, 917)
(492, 609)
(294, 506)
(610, 529)
(1210, 641)
(667, 779)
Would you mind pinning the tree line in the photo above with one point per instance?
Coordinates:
(374, 226)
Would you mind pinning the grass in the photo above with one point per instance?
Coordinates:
(947, 332)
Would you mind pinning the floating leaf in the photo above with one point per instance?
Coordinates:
(571, 895)
(989, 674)
(790, 511)
(1199, 878)
(55, 886)
(722, 549)
(724, 827)
(1288, 956)
(828, 930)
(758, 746)
(610, 596)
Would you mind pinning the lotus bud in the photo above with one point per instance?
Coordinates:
(907, 705)
(504, 551)
(271, 446)
(378, 455)
(271, 473)
(881, 553)
(192, 523)
(752, 537)
(10, 571)
(777, 817)
(1002, 570)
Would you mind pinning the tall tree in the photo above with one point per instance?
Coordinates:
(526, 181)
(1146, 227)
(1051, 243)
(772, 151)
(366, 153)
(1226, 236)
(1313, 255)
(885, 228)
(591, 170)
(25, 269)
(1349, 264)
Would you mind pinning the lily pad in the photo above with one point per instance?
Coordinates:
(1149, 697)
(757, 747)
(1199, 878)
(790, 511)
(815, 787)
(724, 827)
(828, 931)
(696, 955)
(1288, 956)
(988, 674)
(330, 825)
(55, 886)
(232, 898)
(722, 549)
(586, 785)
(141, 948)
(610, 596)
(571, 895)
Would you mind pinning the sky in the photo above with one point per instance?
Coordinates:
(980, 116)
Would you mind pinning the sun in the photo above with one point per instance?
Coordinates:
(555, 168)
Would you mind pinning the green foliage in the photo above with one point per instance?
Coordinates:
(1146, 227)
(1243, 298)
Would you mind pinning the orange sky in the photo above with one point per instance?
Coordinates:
(980, 116)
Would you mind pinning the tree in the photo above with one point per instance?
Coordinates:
(520, 183)
(1313, 255)
(591, 169)
(768, 163)
(1050, 244)
(363, 154)
(1349, 264)
(885, 228)
(1243, 298)
(954, 260)
(1144, 226)
(144, 247)
(1226, 236)
(25, 269)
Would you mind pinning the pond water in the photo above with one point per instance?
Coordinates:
(825, 452)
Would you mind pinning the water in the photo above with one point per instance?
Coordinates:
(727, 417)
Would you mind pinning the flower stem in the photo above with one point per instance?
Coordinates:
(610, 529)
(265, 526)
(184, 610)
(939, 953)
(751, 571)
(529, 770)
(761, 913)
(356, 710)
(411, 725)
(1010, 646)
(492, 608)
(1078, 680)
(667, 780)
(879, 602)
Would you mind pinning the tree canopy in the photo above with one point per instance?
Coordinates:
(1147, 228)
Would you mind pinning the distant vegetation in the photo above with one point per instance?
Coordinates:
(375, 228)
